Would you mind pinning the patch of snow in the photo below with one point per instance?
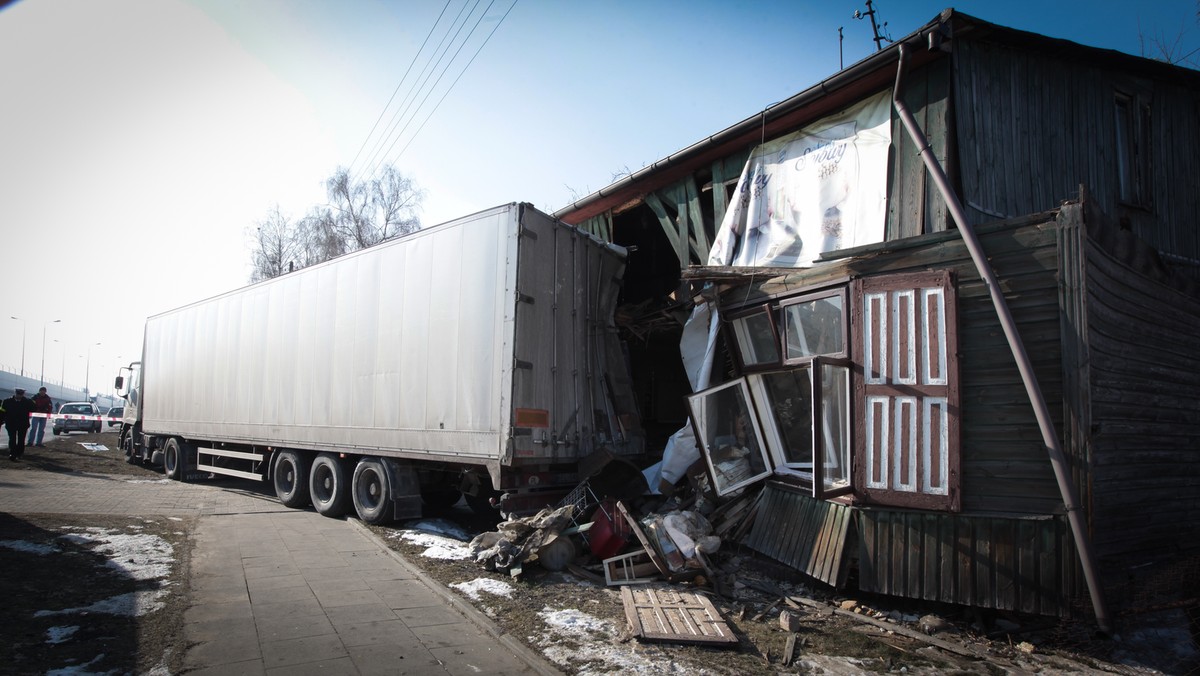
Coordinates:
(79, 669)
(148, 481)
(59, 634)
(440, 527)
(140, 556)
(174, 518)
(592, 641)
(437, 547)
(28, 547)
(133, 604)
(484, 584)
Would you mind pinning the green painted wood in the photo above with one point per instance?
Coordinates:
(699, 229)
(669, 228)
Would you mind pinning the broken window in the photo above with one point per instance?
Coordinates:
(901, 446)
(729, 435)
(755, 337)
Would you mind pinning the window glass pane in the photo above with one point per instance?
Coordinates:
(730, 437)
(789, 394)
(814, 327)
(835, 425)
(756, 341)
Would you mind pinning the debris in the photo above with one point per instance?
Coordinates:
(789, 621)
(94, 447)
(518, 540)
(635, 567)
(848, 604)
(932, 624)
(1026, 647)
(761, 614)
(668, 615)
(580, 571)
(789, 651)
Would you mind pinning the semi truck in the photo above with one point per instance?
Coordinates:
(475, 358)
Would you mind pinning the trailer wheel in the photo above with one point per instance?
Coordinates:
(372, 494)
(329, 486)
(291, 479)
(174, 460)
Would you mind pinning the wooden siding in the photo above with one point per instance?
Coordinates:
(1144, 350)
(806, 534)
(1033, 127)
(915, 206)
(1008, 563)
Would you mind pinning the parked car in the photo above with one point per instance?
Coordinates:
(114, 415)
(77, 416)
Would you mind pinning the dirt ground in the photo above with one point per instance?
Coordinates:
(85, 593)
(596, 640)
(837, 636)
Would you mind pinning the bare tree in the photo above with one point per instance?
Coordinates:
(364, 213)
(1174, 50)
(275, 246)
(358, 214)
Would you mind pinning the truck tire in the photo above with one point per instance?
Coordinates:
(372, 493)
(175, 460)
(329, 486)
(291, 479)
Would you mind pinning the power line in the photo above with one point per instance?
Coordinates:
(401, 83)
(456, 79)
(426, 73)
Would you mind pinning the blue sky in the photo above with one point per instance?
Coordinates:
(141, 140)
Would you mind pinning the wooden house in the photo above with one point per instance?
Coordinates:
(893, 434)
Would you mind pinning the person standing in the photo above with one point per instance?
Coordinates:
(16, 418)
(44, 405)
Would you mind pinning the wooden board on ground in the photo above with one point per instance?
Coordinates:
(666, 615)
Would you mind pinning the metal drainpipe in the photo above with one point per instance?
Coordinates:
(1049, 436)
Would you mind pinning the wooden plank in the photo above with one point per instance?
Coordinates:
(669, 228)
(719, 199)
(667, 615)
(699, 229)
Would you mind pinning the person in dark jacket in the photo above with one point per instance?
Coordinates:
(43, 404)
(16, 419)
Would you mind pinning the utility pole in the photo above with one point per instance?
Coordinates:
(870, 14)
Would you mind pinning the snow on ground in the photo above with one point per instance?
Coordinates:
(148, 481)
(449, 545)
(78, 669)
(28, 547)
(140, 556)
(440, 527)
(60, 634)
(575, 638)
(133, 604)
(483, 584)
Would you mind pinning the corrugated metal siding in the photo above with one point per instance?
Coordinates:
(1008, 563)
(1032, 128)
(806, 534)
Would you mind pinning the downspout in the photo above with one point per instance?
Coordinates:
(1049, 436)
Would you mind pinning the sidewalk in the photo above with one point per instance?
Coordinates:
(282, 591)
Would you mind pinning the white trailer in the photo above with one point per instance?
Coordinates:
(478, 356)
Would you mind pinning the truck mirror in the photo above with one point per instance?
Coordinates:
(119, 383)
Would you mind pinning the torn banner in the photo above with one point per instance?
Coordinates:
(819, 189)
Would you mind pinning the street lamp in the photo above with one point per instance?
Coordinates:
(42, 376)
(62, 370)
(87, 374)
(22, 343)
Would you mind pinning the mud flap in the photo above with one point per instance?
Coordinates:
(405, 489)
